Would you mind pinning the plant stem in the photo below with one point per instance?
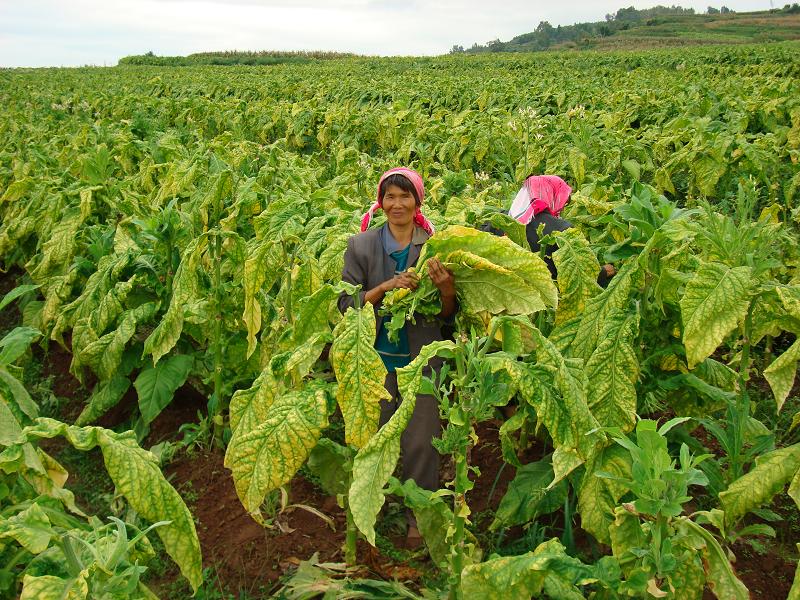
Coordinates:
(459, 509)
(350, 537)
(217, 342)
(351, 534)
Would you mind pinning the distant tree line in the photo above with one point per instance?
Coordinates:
(546, 36)
(232, 57)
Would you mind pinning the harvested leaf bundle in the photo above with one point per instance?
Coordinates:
(493, 276)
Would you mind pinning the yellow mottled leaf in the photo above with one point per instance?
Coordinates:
(360, 374)
(267, 456)
(713, 305)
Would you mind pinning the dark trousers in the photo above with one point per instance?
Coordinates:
(420, 460)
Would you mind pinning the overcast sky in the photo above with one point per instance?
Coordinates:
(99, 32)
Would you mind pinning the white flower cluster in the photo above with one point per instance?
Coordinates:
(481, 177)
(526, 113)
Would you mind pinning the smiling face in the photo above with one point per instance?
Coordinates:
(399, 205)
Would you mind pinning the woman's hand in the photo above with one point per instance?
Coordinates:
(442, 278)
(406, 280)
(445, 281)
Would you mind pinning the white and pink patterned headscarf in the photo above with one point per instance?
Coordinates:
(540, 192)
(419, 186)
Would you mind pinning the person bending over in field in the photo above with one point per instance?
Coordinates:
(378, 259)
(539, 203)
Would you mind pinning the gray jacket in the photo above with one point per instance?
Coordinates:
(368, 264)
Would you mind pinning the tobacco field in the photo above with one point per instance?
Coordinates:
(183, 409)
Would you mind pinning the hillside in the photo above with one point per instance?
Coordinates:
(658, 27)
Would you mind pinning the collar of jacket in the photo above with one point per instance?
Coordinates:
(419, 237)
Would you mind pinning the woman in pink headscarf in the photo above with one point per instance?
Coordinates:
(539, 203)
(378, 260)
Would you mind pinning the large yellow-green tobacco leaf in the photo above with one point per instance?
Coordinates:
(783, 370)
(30, 528)
(577, 274)
(376, 461)
(185, 289)
(794, 593)
(103, 280)
(58, 250)
(548, 570)
(719, 573)
(580, 336)
(136, 475)
(435, 522)
(261, 270)
(612, 372)
(771, 473)
(599, 496)
(360, 374)
(266, 457)
(49, 587)
(566, 413)
(492, 275)
(249, 407)
(714, 304)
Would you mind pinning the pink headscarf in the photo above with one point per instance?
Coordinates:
(419, 186)
(540, 192)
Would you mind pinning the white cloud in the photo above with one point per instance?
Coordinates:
(52, 32)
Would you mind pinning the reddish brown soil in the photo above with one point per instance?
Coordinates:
(244, 554)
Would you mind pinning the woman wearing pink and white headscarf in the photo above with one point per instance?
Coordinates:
(378, 260)
(539, 203)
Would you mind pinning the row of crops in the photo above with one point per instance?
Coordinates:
(188, 225)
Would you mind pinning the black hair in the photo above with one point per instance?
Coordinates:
(400, 181)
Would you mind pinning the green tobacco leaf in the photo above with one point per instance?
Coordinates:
(18, 291)
(185, 290)
(484, 286)
(30, 528)
(106, 395)
(714, 304)
(794, 593)
(577, 268)
(771, 473)
(719, 572)
(613, 371)
(707, 171)
(104, 354)
(568, 418)
(501, 252)
(261, 270)
(58, 250)
(136, 475)
(331, 463)
(782, 372)
(10, 428)
(157, 385)
(434, 520)
(268, 456)
(360, 374)
(15, 343)
(529, 495)
(49, 587)
(511, 227)
(524, 576)
(586, 333)
(248, 408)
(599, 496)
(376, 461)
(627, 537)
(19, 394)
